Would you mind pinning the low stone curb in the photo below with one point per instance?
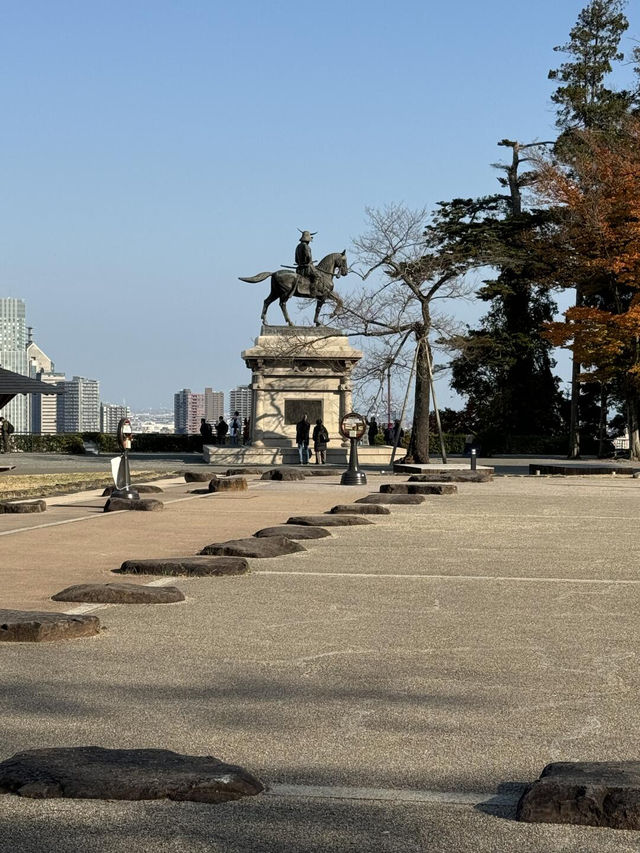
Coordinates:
(119, 504)
(418, 489)
(33, 626)
(292, 531)
(230, 484)
(198, 476)
(329, 520)
(269, 546)
(230, 472)
(200, 566)
(119, 593)
(23, 507)
(453, 477)
(142, 489)
(410, 500)
(360, 509)
(590, 793)
(278, 474)
(90, 772)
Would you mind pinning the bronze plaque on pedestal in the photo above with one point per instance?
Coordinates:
(295, 409)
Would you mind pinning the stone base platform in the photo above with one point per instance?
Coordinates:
(231, 455)
(433, 467)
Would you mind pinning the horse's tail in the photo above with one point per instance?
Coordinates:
(256, 278)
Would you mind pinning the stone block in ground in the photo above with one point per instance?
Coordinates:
(198, 476)
(228, 484)
(293, 531)
(591, 793)
(120, 593)
(282, 474)
(23, 506)
(455, 476)
(319, 471)
(142, 505)
(32, 626)
(360, 509)
(268, 546)
(141, 488)
(411, 500)
(231, 472)
(418, 489)
(329, 520)
(200, 566)
(90, 772)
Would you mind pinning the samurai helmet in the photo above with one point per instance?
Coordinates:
(307, 236)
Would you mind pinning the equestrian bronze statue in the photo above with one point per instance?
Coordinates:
(309, 281)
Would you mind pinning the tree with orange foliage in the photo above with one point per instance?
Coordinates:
(597, 248)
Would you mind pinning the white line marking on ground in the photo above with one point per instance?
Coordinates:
(331, 792)
(94, 515)
(448, 577)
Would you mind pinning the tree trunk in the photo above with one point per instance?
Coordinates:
(419, 447)
(634, 428)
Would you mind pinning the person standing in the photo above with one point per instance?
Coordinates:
(372, 431)
(246, 431)
(205, 431)
(235, 429)
(6, 428)
(320, 441)
(222, 428)
(302, 438)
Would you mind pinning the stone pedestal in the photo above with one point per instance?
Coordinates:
(298, 369)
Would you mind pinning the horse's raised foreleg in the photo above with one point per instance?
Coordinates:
(283, 308)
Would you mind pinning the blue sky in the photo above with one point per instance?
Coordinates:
(154, 151)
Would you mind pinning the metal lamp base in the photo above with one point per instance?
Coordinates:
(353, 478)
(128, 493)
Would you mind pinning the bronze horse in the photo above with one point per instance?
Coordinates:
(285, 284)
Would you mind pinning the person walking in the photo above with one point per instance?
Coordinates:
(320, 441)
(372, 432)
(6, 429)
(222, 428)
(302, 438)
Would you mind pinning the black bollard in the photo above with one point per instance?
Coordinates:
(353, 476)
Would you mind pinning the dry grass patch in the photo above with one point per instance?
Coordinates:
(29, 485)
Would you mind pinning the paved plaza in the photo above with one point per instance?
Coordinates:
(394, 686)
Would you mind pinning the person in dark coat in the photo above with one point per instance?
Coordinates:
(302, 438)
(320, 441)
(222, 428)
(372, 431)
(206, 430)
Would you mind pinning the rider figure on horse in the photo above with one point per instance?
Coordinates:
(304, 264)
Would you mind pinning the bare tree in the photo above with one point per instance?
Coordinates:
(417, 265)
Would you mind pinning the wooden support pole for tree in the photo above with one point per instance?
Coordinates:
(435, 409)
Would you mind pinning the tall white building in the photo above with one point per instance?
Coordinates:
(213, 405)
(188, 409)
(240, 401)
(44, 408)
(111, 415)
(13, 356)
(79, 406)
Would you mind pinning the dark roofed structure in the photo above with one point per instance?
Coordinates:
(15, 383)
